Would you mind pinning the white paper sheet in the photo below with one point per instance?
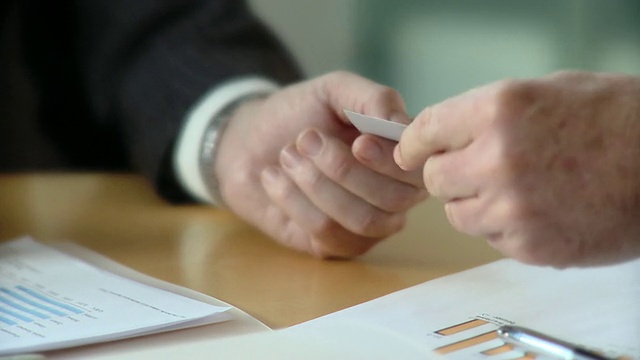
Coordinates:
(457, 315)
(51, 300)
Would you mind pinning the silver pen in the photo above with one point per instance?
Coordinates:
(545, 345)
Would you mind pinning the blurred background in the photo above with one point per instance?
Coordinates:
(433, 49)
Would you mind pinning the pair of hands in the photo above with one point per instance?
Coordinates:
(547, 169)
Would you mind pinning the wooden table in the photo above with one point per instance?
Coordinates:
(212, 251)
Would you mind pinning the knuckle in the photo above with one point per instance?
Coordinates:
(383, 94)
(569, 75)
(542, 243)
(465, 219)
(377, 223)
(335, 78)
(368, 223)
(395, 202)
(338, 74)
(320, 251)
(325, 85)
(325, 227)
(291, 236)
(429, 178)
(401, 198)
(513, 98)
(525, 249)
(339, 167)
(283, 190)
(521, 211)
(351, 247)
(314, 180)
(426, 124)
(510, 90)
(318, 247)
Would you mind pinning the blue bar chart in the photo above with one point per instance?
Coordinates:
(32, 308)
(23, 304)
(50, 300)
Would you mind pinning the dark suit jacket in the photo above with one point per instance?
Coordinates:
(105, 84)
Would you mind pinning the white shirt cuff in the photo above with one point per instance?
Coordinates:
(186, 154)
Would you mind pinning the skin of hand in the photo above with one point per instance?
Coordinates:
(548, 169)
(292, 165)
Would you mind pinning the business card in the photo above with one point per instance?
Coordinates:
(376, 126)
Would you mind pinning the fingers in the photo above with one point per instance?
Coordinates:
(329, 204)
(448, 126)
(343, 90)
(297, 223)
(510, 227)
(453, 176)
(479, 216)
(376, 153)
(332, 161)
(502, 223)
(348, 209)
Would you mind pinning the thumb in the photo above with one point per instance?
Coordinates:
(344, 90)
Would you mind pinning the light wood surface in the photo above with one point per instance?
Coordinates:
(214, 252)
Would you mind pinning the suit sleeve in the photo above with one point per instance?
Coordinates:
(149, 61)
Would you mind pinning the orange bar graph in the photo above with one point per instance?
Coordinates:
(461, 327)
(479, 339)
(528, 356)
(498, 350)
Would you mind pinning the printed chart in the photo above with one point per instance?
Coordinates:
(33, 308)
(51, 300)
(27, 305)
(457, 316)
(30, 309)
(477, 338)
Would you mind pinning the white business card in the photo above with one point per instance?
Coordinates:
(376, 126)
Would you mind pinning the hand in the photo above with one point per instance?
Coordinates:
(547, 169)
(293, 166)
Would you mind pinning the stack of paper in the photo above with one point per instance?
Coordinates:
(51, 300)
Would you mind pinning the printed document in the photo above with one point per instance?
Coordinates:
(457, 316)
(51, 300)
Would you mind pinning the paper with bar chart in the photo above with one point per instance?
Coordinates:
(457, 316)
(50, 300)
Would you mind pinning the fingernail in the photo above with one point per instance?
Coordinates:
(310, 143)
(397, 157)
(289, 157)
